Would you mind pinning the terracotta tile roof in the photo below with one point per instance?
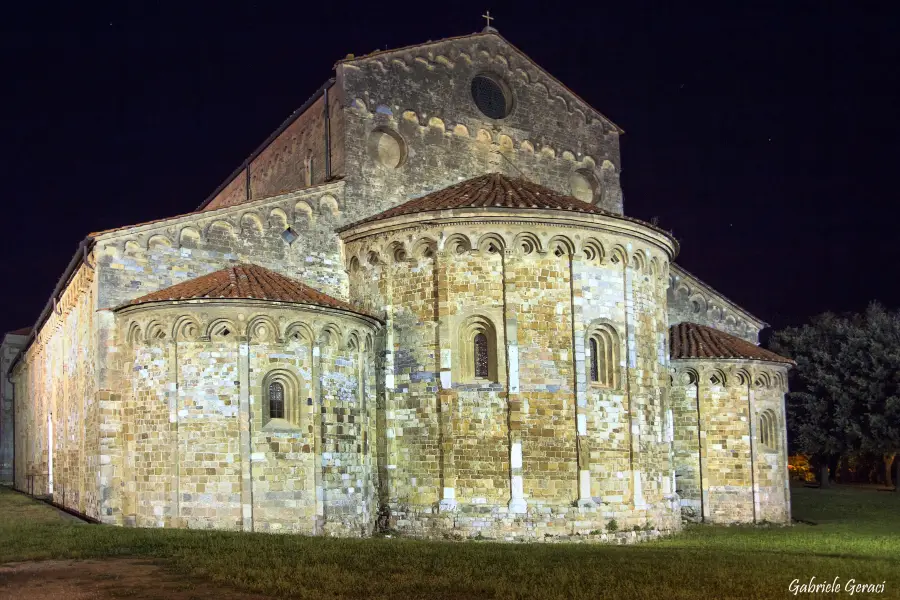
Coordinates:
(249, 282)
(23, 331)
(493, 190)
(690, 340)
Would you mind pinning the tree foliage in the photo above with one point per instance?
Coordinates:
(846, 386)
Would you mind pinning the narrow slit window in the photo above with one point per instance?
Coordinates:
(595, 373)
(276, 400)
(481, 356)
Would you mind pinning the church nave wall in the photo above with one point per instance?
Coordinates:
(206, 446)
(58, 445)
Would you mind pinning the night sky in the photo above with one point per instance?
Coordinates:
(764, 135)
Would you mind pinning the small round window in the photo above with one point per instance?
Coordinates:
(387, 148)
(583, 185)
(492, 96)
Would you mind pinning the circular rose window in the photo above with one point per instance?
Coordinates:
(583, 185)
(387, 148)
(492, 96)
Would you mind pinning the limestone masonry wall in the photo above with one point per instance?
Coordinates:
(10, 347)
(423, 98)
(729, 468)
(533, 447)
(203, 451)
(693, 301)
(59, 416)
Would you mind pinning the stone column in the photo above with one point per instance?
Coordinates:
(175, 465)
(246, 440)
(318, 435)
(517, 503)
(751, 427)
(445, 395)
(576, 282)
(634, 426)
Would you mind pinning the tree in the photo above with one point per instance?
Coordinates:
(846, 394)
(819, 409)
(874, 358)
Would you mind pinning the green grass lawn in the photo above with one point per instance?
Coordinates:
(857, 536)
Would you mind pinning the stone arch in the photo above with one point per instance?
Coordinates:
(303, 213)
(329, 335)
(397, 251)
(457, 243)
(329, 204)
(219, 225)
(654, 266)
(461, 130)
(134, 334)
(353, 267)
(697, 304)
(278, 219)
(763, 380)
(716, 376)
(714, 313)
(293, 397)
(436, 123)
(470, 349)
(638, 262)
(484, 136)
(561, 245)
(251, 224)
(688, 376)
(742, 377)
(527, 146)
(155, 331)
(491, 243)
(527, 243)
(603, 352)
(221, 330)
(618, 255)
(263, 328)
(373, 258)
(780, 381)
(593, 251)
(185, 329)
(352, 342)
(505, 142)
(189, 237)
(299, 331)
(159, 242)
(132, 247)
(767, 429)
(424, 247)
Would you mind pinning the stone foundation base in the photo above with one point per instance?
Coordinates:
(590, 523)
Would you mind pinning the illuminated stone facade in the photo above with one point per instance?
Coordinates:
(158, 413)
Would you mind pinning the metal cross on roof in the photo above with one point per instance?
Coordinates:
(487, 17)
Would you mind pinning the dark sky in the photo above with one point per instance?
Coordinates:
(764, 134)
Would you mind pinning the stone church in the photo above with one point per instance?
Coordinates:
(419, 307)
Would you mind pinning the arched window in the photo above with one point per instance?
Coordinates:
(767, 429)
(603, 359)
(481, 356)
(282, 396)
(475, 355)
(276, 400)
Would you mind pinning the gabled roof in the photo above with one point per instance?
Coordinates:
(245, 282)
(494, 190)
(691, 340)
(489, 32)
